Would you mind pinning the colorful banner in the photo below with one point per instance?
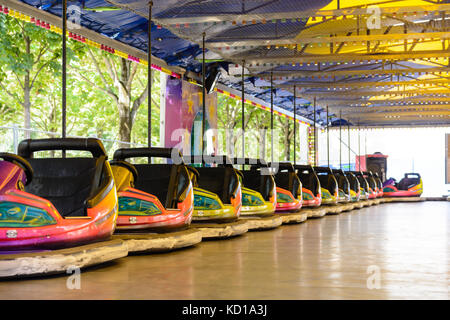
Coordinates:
(183, 118)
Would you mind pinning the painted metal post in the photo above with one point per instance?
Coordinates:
(365, 148)
(271, 116)
(359, 148)
(349, 156)
(149, 75)
(203, 96)
(295, 126)
(328, 141)
(243, 111)
(315, 135)
(340, 139)
(64, 72)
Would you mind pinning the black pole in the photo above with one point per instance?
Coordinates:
(340, 139)
(271, 117)
(365, 148)
(315, 137)
(243, 112)
(203, 95)
(149, 75)
(359, 148)
(64, 71)
(328, 141)
(349, 156)
(295, 126)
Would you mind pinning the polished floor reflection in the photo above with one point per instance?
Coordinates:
(390, 251)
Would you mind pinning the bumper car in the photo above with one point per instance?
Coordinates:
(364, 185)
(259, 195)
(217, 190)
(152, 197)
(410, 186)
(373, 189)
(289, 189)
(379, 184)
(355, 187)
(311, 190)
(343, 185)
(329, 185)
(54, 203)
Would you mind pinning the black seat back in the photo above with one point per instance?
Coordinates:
(289, 181)
(219, 180)
(167, 182)
(69, 183)
(327, 179)
(370, 180)
(159, 180)
(362, 181)
(343, 182)
(354, 183)
(409, 181)
(253, 179)
(309, 178)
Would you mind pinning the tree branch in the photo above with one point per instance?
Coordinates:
(110, 69)
(40, 54)
(37, 73)
(10, 93)
(137, 103)
(97, 67)
(134, 68)
(107, 91)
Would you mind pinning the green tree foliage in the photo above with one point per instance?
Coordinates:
(119, 79)
(26, 52)
(106, 96)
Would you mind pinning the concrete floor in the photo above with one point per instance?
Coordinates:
(328, 258)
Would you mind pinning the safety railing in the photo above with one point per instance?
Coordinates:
(12, 135)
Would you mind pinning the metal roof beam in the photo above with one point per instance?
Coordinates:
(391, 103)
(337, 73)
(335, 39)
(417, 108)
(366, 94)
(355, 11)
(360, 84)
(343, 57)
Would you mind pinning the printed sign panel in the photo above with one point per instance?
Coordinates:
(183, 117)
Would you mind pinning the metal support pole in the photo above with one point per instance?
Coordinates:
(365, 148)
(340, 139)
(349, 156)
(359, 148)
(328, 140)
(243, 112)
(64, 72)
(295, 126)
(203, 96)
(149, 75)
(315, 134)
(271, 117)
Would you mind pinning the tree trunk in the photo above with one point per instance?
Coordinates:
(125, 125)
(230, 143)
(262, 143)
(287, 142)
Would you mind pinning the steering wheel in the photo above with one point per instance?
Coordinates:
(21, 162)
(125, 165)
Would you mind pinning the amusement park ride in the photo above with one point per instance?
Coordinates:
(88, 210)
